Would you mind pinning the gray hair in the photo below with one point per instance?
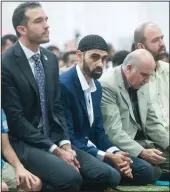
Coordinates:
(136, 57)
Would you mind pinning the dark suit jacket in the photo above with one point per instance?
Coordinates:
(73, 100)
(20, 98)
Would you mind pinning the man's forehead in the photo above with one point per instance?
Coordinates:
(97, 51)
(153, 32)
(33, 13)
(147, 66)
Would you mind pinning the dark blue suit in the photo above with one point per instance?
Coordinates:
(73, 101)
(75, 108)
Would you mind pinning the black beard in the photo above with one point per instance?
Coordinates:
(92, 73)
(158, 56)
(95, 75)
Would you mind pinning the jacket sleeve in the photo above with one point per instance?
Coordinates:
(58, 111)
(155, 129)
(19, 126)
(113, 124)
(103, 142)
(79, 142)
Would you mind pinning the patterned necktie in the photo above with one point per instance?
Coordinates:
(40, 78)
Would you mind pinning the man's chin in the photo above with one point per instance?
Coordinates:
(159, 57)
(96, 76)
(140, 86)
(44, 41)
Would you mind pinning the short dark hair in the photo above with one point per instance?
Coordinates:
(19, 17)
(66, 55)
(10, 37)
(119, 57)
(53, 47)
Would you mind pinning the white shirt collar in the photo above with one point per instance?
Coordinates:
(84, 85)
(27, 51)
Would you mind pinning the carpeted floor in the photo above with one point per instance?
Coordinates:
(140, 188)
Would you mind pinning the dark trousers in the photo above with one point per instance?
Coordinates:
(165, 166)
(143, 173)
(62, 176)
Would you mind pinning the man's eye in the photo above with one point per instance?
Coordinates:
(38, 21)
(95, 57)
(104, 59)
(155, 40)
(145, 75)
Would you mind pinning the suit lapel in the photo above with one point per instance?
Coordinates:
(124, 93)
(44, 60)
(126, 97)
(142, 102)
(24, 66)
(80, 93)
(48, 77)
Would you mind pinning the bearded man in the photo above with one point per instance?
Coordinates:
(81, 98)
(150, 37)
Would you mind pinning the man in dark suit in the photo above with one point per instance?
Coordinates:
(31, 101)
(81, 97)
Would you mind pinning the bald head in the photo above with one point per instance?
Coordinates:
(139, 57)
(139, 35)
(150, 37)
(138, 66)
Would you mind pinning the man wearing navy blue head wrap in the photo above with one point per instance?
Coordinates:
(81, 98)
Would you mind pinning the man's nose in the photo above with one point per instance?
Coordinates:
(100, 63)
(46, 25)
(147, 80)
(162, 43)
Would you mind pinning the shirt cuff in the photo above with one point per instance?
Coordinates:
(52, 148)
(61, 143)
(100, 155)
(112, 149)
(90, 144)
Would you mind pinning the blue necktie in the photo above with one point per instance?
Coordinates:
(40, 78)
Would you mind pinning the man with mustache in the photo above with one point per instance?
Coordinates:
(81, 96)
(150, 37)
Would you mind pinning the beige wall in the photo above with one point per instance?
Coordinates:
(115, 21)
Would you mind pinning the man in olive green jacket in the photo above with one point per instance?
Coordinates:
(129, 118)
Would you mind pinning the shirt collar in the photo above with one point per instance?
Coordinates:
(127, 84)
(159, 66)
(84, 85)
(27, 51)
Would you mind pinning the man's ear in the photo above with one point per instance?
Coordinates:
(21, 29)
(79, 55)
(128, 68)
(140, 46)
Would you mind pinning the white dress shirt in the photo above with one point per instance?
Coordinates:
(88, 89)
(29, 54)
